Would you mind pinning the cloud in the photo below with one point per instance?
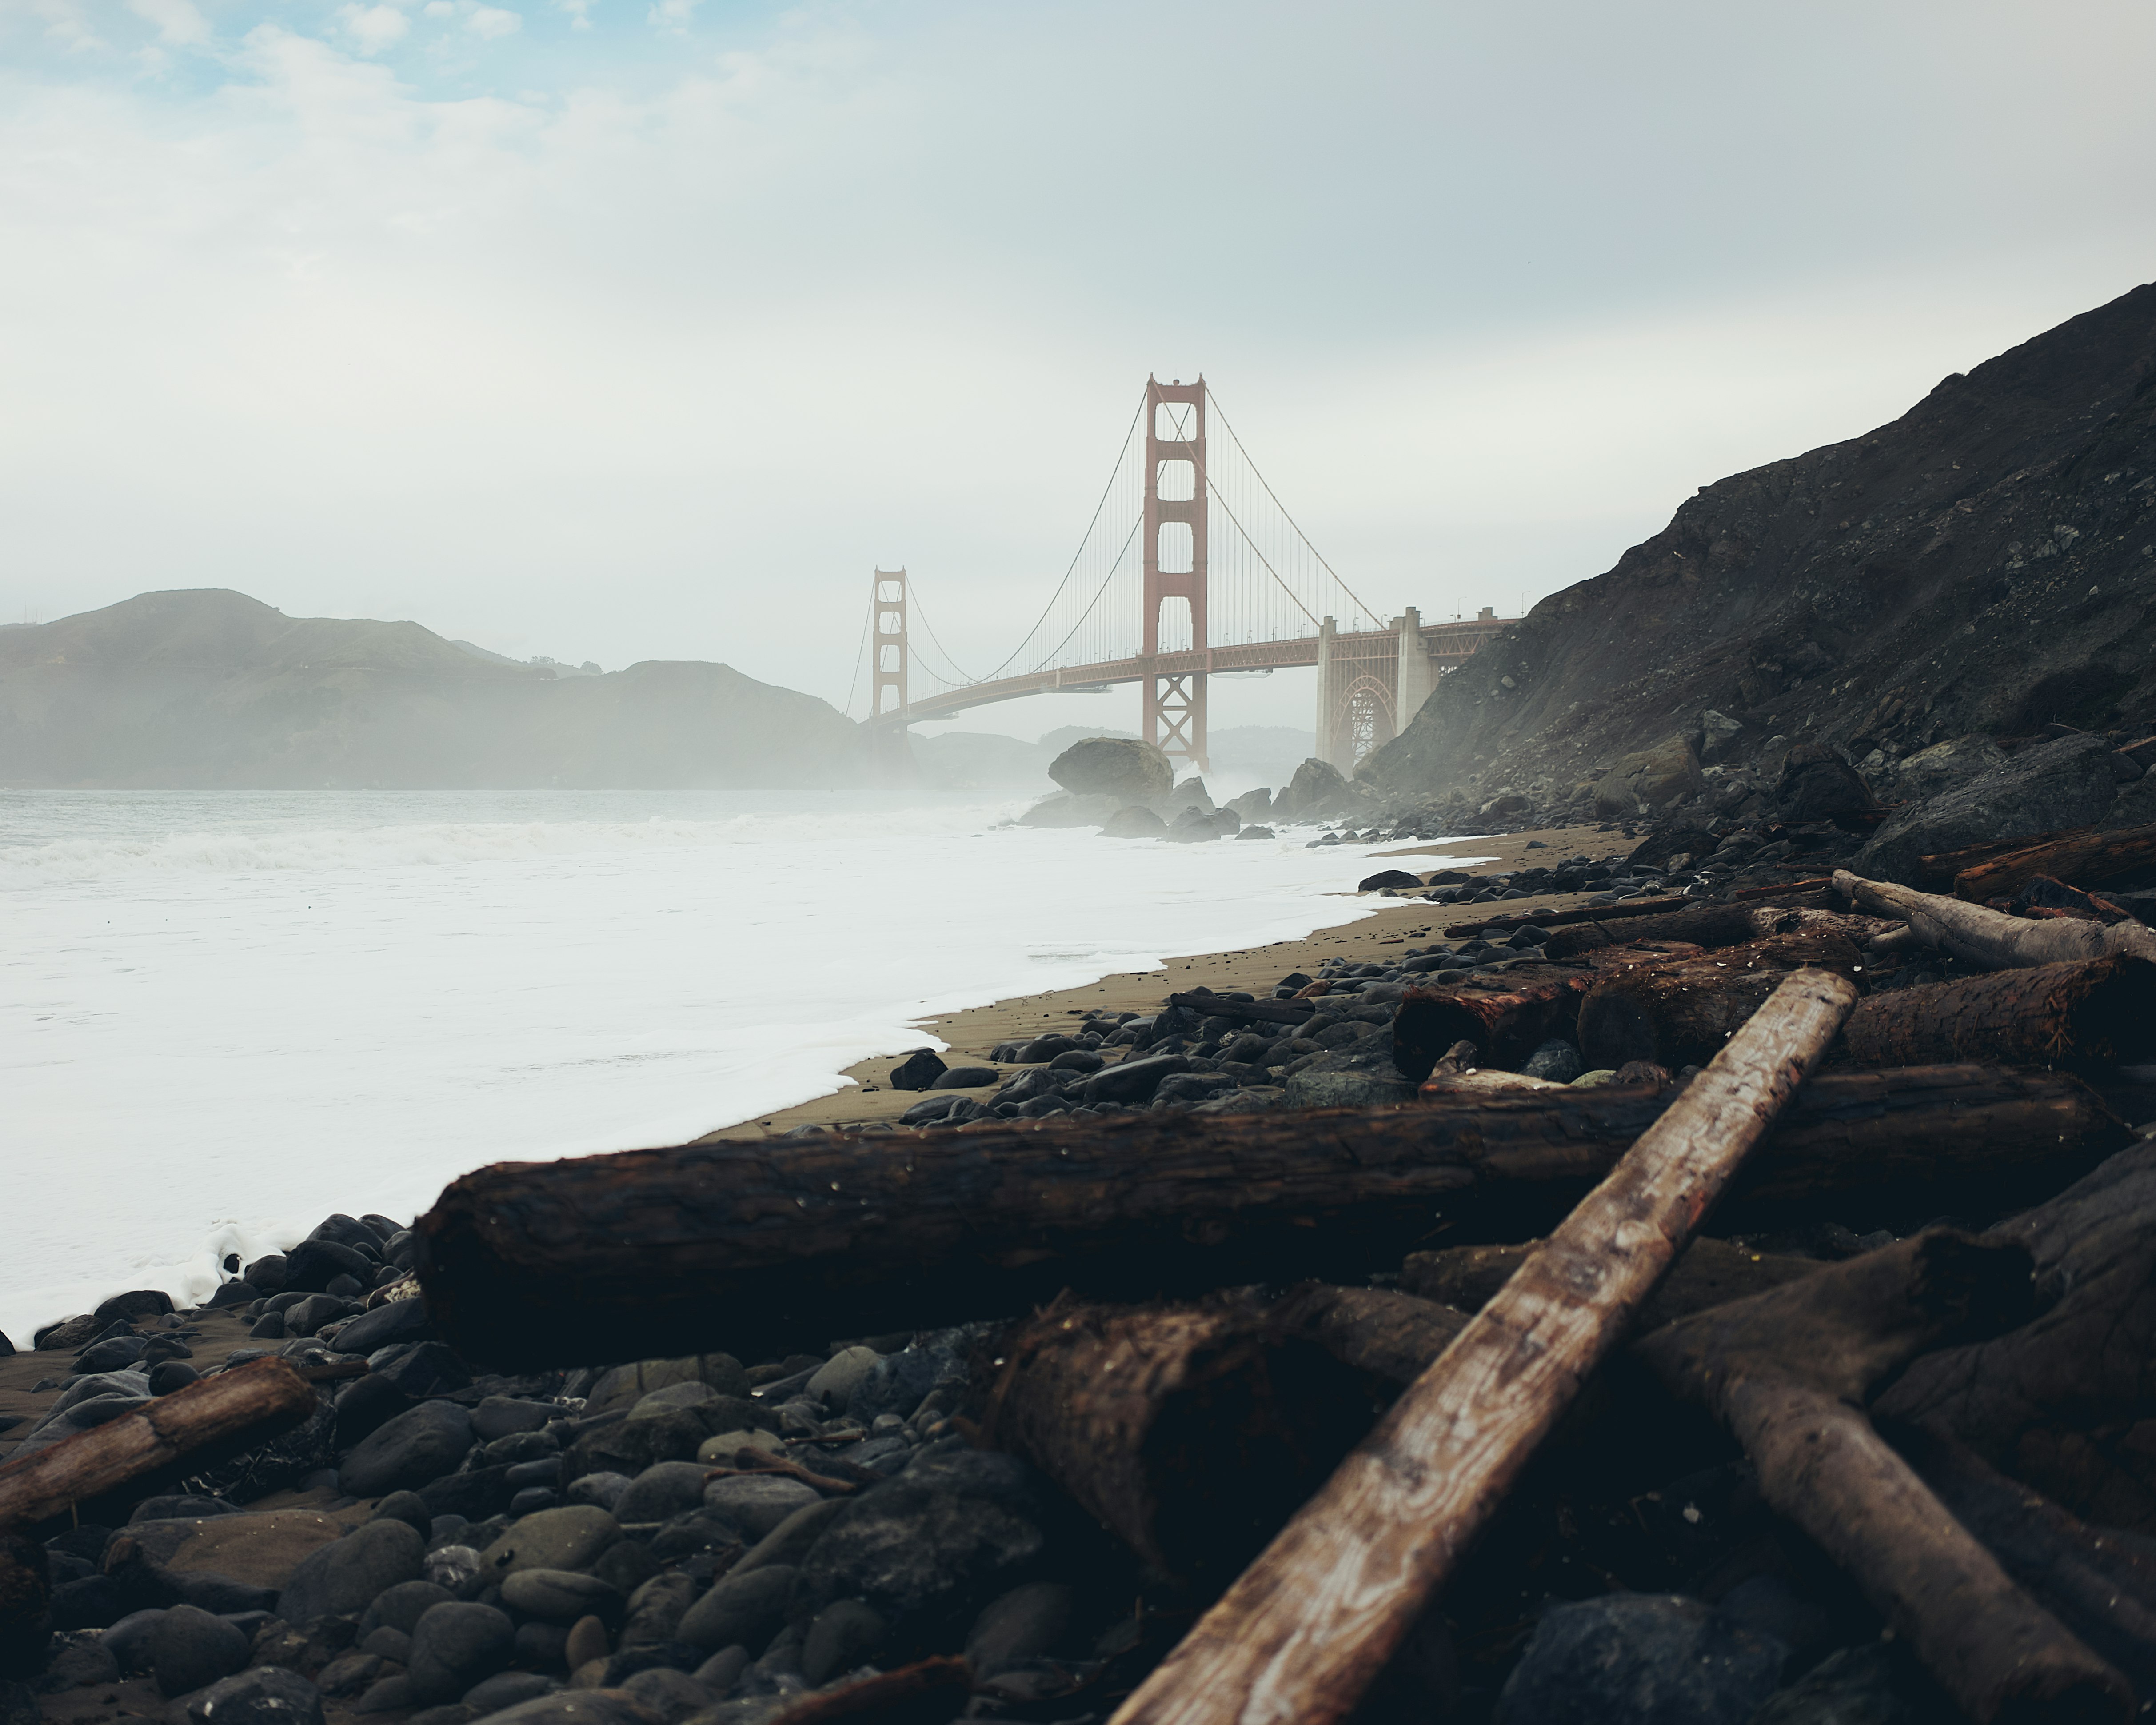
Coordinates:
(178, 21)
(490, 22)
(662, 360)
(373, 28)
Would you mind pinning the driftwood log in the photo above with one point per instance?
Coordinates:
(1303, 1632)
(2100, 1582)
(1681, 1014)
(1191, 1432)
(2085, 856)
(1506, 1017)
(1194, 1432)
(1991, 939)
(1388, 1335)
(253, 1402)
(2067, 1403)
(1709, 926)
(1707, 1273)
(1789, 1371)
(2095, 1012)
(779, 1244)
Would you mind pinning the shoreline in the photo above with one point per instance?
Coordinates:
(971, 1031)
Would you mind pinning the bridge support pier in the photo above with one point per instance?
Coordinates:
(1417, 677)
(1358, 690)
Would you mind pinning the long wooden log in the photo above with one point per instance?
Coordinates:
(1991, 939)
(1133, 1411)
(1304, 1630)
(1681, 1014)
(2099, 1582)
(1390, 1335)
(1945, 865)
(1714, 925)
(2082, 856)
(259, 1400)
(1789, 1373)
(764, 1248)
(2093, 1013)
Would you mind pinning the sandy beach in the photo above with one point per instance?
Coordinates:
(1360, 935)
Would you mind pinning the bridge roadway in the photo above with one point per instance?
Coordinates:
(1445, 646)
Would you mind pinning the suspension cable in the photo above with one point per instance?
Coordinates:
(860, 648)
(1114, 474)
(1285, 516)
(913, 596)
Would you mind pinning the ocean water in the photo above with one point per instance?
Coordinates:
(224, 1016)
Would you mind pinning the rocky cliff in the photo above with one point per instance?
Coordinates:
(1986, 564)
(213, 688)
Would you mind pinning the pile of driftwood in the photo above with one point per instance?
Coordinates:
(1953, 1418)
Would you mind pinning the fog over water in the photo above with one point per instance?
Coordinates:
(226, 1016)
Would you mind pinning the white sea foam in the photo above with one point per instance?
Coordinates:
(222, 1018)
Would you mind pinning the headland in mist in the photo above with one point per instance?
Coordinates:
(207, 688)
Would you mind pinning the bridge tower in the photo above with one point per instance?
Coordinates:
(887, 669)
(1175, 464)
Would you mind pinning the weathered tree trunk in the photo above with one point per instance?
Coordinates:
(2099, 1582)
(1710, 926)
(1945, 865)
(764, 1246)
(1191, 1432)
(2063, 1402)
(1991, 939)
(256, 1401)
(1506, 1017)
(2084, 857)
(2095, 1012)
(1304, 1631)
(1393, 1335)
(1707, 1273)
(1681, 1014)
(1789, 1373)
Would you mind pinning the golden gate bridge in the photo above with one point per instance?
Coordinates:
(1190, 567)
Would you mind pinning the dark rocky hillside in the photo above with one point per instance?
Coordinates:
(1986, 564)
(212, 688)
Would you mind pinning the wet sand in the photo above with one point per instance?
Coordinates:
(978, 1029)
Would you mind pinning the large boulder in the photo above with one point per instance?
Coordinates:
(1818, 784)
(343, 1578)
(1136, 822)
(1651, 778)
(938, 1541)
(419, 1445)
(2066, 782)
(1639, 1658)
(262, 1549)
(1125, 768)
(1315, 788)
(1071, 809)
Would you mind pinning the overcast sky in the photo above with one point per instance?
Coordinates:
(622, 329)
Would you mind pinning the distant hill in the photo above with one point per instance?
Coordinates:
(211, 689)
